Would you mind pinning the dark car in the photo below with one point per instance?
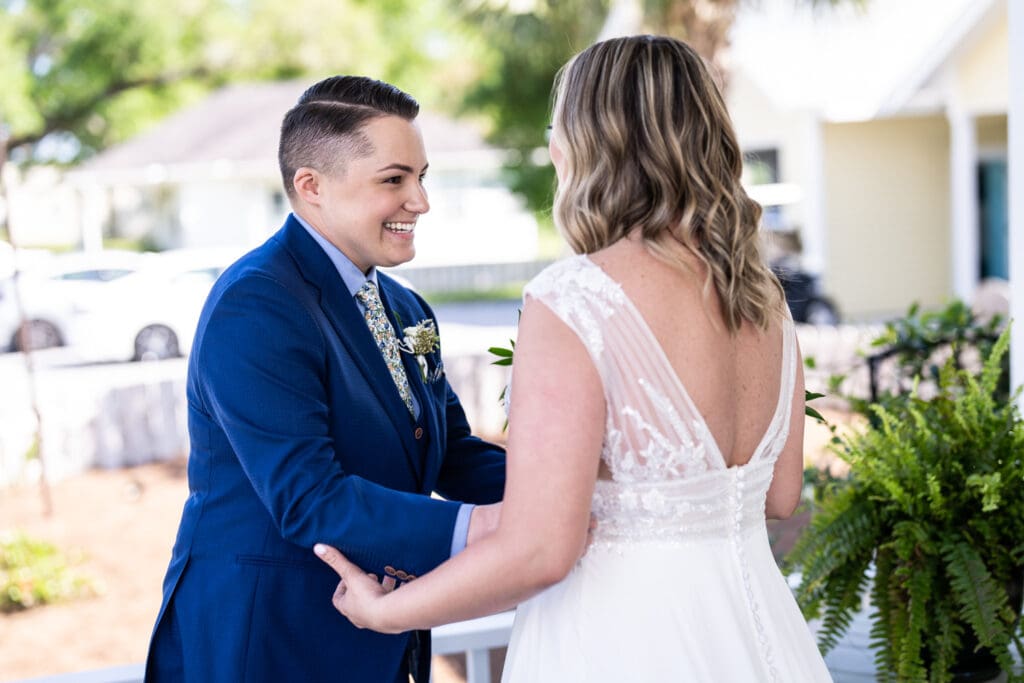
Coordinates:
(806, 302)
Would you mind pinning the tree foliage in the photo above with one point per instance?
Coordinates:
(523, 49)
(80, 75)
(520, 55)
(87, 72)
(705, 24)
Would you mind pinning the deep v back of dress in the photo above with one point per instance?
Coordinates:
(679, 583)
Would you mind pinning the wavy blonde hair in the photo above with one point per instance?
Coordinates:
(648, 144)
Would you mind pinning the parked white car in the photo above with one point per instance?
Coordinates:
(50, 286)
(152, 313)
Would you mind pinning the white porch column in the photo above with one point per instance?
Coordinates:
(92, 211)
(814, 231)
(1016, 192)
(963, 164)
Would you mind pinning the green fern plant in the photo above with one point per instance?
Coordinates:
(929, 523)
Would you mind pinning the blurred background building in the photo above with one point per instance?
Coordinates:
(875, 132)
(208, 176)
(891, 122)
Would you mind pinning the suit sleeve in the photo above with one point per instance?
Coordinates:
(262, 364)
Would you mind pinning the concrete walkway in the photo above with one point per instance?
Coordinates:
(851, 661)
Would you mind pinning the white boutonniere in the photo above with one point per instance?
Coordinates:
(421, 340)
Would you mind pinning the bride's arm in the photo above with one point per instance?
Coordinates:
(788, 476)
(556, 426)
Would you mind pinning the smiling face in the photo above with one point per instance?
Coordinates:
(368, 209)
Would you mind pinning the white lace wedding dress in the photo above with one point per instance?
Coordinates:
(679, 583)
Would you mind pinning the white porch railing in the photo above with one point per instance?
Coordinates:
(129, 673)
(475, 638)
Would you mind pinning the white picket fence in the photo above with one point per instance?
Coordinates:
(127, 414)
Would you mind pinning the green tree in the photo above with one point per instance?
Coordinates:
(80, 75)
(520, 55)
(523, 49)
(705, 24)
(415, 44)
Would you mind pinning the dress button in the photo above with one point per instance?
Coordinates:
(401, 575)
(418, 433)
(389, 570)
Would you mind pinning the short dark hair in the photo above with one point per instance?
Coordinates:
(324, 128)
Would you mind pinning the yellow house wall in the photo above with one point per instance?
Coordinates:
(982, 71)
(992, 132)
(888, 216)
(759, 124)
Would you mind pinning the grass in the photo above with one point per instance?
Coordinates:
(139, 244)
(34, 572)
(550, 244)
(512, 291)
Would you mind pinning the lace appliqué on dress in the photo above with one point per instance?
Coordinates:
(646, 438)
(654, 455)
(581, 295)
(666, 468)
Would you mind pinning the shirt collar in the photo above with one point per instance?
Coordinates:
(349, 272)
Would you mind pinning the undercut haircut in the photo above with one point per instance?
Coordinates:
(325, 127)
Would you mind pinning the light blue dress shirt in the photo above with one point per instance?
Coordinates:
(354, 279)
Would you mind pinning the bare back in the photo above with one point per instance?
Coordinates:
(684, 397)
(733, 380)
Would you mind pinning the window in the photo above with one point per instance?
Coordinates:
(761, 167)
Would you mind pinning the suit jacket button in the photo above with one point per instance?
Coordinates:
(401, 575)
(389, 570)
(418, 433)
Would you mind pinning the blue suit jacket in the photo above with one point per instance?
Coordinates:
(298, 436)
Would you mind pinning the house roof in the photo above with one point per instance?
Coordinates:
(851, 63)
(239, 125)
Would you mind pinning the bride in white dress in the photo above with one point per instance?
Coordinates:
(657, 386)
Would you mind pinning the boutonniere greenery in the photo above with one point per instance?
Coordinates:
(422, 340)
(505, 358)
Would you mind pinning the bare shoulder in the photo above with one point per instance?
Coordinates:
(646, 278)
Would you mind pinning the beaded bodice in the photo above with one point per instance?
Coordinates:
(669, 479)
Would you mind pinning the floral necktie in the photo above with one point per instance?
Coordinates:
(386, 340)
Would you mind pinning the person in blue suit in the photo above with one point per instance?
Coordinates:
(313, 418)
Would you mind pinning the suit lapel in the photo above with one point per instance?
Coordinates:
(398, 310)
(350, 326)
